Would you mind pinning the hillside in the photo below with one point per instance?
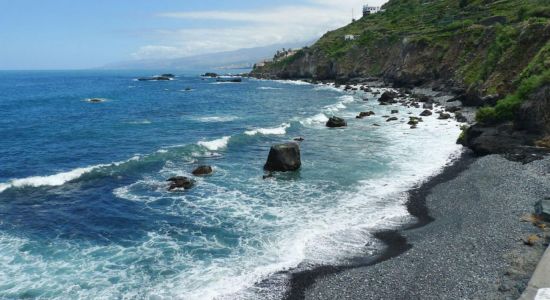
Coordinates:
(483, 50)
(228, 60)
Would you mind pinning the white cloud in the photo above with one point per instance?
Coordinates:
(251, 28)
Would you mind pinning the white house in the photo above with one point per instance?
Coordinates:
(349, 37)
(367, 10)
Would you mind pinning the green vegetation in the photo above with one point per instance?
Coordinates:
(505, 108)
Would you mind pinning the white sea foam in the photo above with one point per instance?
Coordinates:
(215, 145)
(56, 179)
(215, 119)
(267, 131)
(268, 88)
(317, 119)
(347, 99)
(328, 88)
(51, 180)
(293, 82)
(140, 122)
(334, 107)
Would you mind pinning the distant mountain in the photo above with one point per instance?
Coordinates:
(237, 59)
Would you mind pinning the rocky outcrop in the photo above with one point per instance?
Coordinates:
(335, 122)
(155, 78)
(502, 139)
(364, 114)
(283, 158)
(210, 74)
(202, 171)
(485, 140)
(180, 182)
(388, 97)
(534, 113)
(444, 116)
(426, 113)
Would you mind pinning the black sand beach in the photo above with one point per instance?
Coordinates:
(467, 243)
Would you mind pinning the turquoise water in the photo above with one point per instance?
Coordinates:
(84, 210)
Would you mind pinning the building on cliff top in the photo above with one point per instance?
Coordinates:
(367, 10)
(349, 37)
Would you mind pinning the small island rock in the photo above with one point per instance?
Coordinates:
(283, 158)
(202, 170)
(334, 122)
(179, 182)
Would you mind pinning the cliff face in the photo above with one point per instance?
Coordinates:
(484, 50)
(468, 47)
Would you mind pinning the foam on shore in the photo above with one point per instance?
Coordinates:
(267, 131)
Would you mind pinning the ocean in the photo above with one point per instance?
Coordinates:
(84, 207)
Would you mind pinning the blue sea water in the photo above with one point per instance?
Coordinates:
(84, 207)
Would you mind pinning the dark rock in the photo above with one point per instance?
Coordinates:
(283, 158)
(334, 122)
(376, 125)
(299, 139)
(229, 79)
(426, 113)
(415, 104)
(533, 115)
(428, 106)
(471, 98)
(453, 109)
(365, 114)
(168, 75)
(392, 119)
(202, 170)
(414, 126)
(388, 97)
(501, 139)
(155, 78)
(444, 116)
(542, 208)
(460, 117)
(179, 182)
(491, 100)
(457, 90)
(394, 111)
(209, 74)
(423, 98)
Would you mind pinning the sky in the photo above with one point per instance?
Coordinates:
(69, 34)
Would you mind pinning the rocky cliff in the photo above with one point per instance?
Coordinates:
(493, 53)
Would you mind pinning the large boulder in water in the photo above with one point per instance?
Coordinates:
(180, 182)
(426, 113)
(283, 158)
(202, 171)
(388, 97)
(336, 122)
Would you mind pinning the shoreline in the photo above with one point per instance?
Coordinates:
(395, 242)
(475, 248)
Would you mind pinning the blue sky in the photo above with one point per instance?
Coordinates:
(71, 34)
